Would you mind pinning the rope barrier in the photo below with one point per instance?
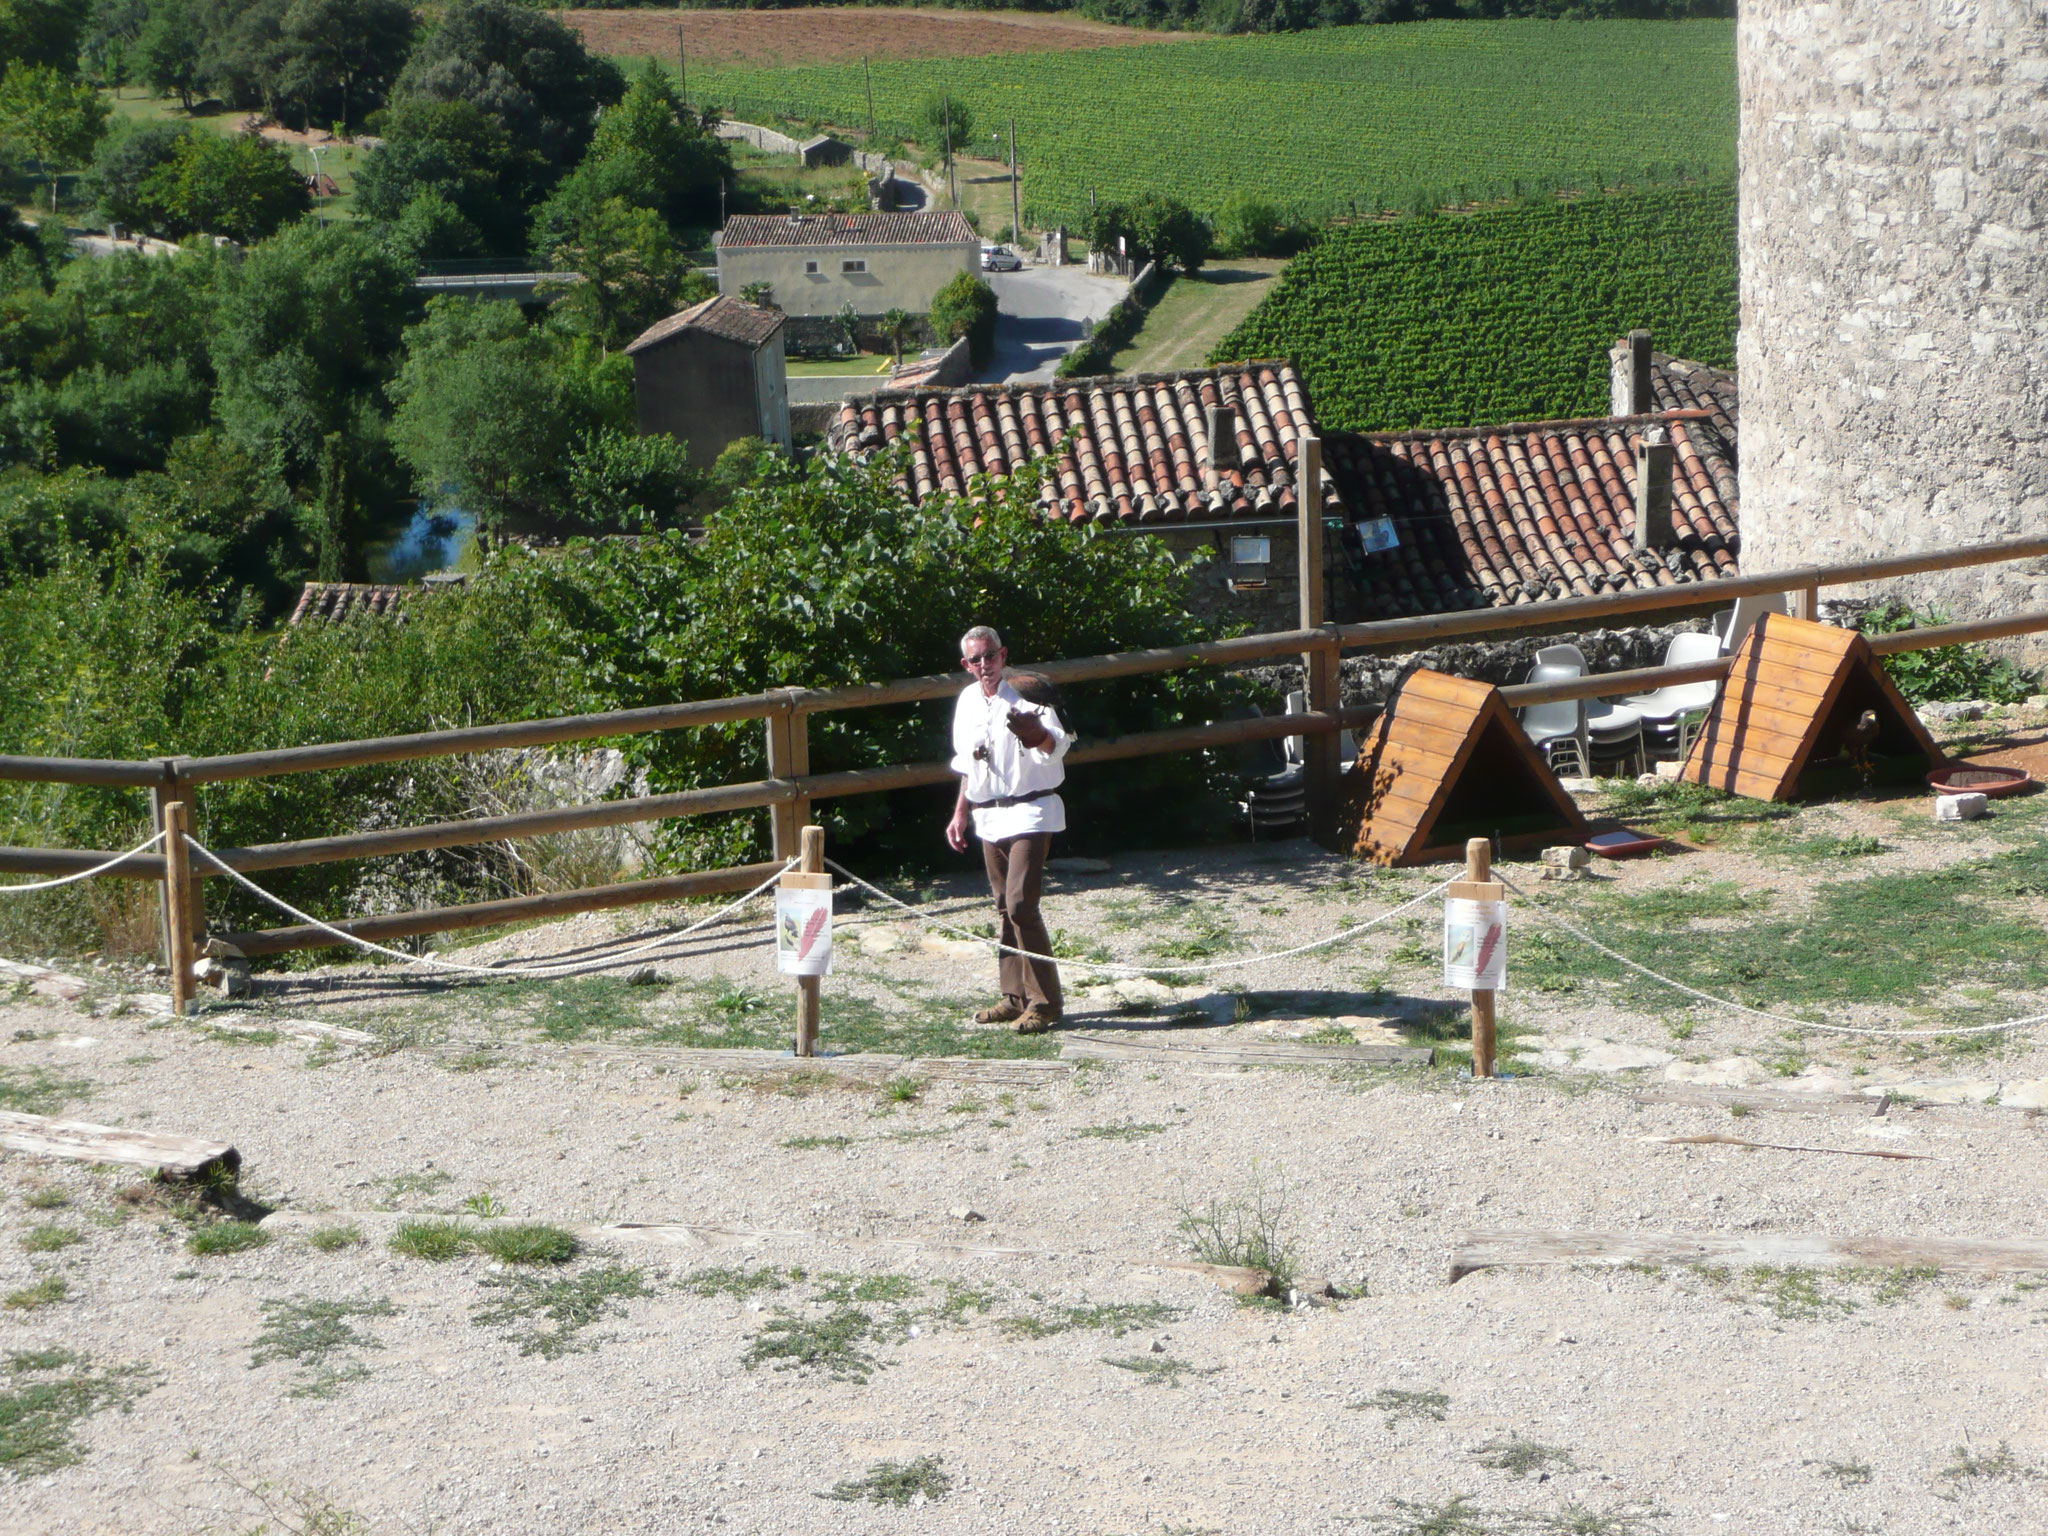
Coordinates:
(83, 874)
(1121, 969)
(1776, 1018)
(541, 972)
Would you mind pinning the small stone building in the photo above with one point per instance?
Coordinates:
(816, 264)
(1413, 522)
(824, 150)
(711, 374)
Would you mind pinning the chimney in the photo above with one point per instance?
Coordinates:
(1654, 456)
(1641, 400)
(1222, 442)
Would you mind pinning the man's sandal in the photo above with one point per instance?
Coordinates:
(1002, 1013)
(1036, 1021)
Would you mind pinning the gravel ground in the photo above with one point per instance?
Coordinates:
(1674, 1399)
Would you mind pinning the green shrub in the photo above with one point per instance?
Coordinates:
(527, 1242)
(1949, 672)
(967, 307)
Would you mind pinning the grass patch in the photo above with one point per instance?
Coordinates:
(838, 1290)
(402, 1185)
(1247, 1231)
(334, 1239)
(49, 1237)
(48, 1198)
(1115, 1318)
(47, 1393)
(1518, 1457)
(818, 1143)
(1209, 937)
(435, 1241)
(39, 1091)
(830, 1344)
(889, 1482)
(736, 1283)
(1398, 1404)
(1127, 1130)
(1850, 1474)
(546, 1317)
(1159, 1370)
(306, 1332)
(46, 1292)
(222, 1237)
(903, 1090)
(527, 1242)
(2000, 1466)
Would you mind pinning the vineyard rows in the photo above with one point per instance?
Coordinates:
(1502, 316)
(1314, 122)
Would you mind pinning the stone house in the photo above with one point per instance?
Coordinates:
(713, 373)
(1413, 522)
(817, 264)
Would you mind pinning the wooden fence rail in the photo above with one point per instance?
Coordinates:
(790, 787)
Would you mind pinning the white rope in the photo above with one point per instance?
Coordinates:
(83, 874)
(1759, 1013)
(545, 972)
(1117, 967)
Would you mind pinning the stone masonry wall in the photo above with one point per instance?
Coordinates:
(1894, 342)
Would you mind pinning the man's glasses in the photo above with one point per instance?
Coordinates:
(978, 658)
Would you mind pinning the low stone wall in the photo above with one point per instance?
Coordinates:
(767, 140)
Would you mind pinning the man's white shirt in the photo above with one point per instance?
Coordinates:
(1008, 767)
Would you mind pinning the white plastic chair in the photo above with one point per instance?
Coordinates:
(1674, 713)
(1614, 732)
(1747, 610)
(1558, 729)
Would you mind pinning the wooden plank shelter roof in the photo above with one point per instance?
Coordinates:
(1448, 760)
(1793, 700)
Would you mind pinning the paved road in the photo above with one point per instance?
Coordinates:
(1042, 309)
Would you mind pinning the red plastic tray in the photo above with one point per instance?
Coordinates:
(1623, 843)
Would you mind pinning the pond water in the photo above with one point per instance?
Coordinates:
(436, 539)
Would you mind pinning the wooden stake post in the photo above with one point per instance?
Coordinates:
(1323, 751)
(810, 876)
(177, 909)
(1477, 886)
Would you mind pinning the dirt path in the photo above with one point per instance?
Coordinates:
(833, 34)
(1197, 312)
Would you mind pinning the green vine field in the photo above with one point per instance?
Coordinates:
(1507, 315)
(1317, 123)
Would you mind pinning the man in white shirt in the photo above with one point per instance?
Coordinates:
(1007, 751)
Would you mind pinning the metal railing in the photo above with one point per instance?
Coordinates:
(789, 787)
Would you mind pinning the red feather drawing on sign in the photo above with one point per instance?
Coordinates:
(812, 929)
(1487, 946)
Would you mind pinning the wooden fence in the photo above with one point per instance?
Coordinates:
(790, 787)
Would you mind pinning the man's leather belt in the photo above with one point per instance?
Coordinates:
(1002, 800)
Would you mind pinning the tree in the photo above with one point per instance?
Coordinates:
(431, 228)
(167, 50)
(1154, 228)
(44, 32)
(490, 408)
(55, 118)
(632, 274)
(897, 325)
(967, 307)
(621, 482)
(305, 61)
(244, 187)
(524, 70)
(122, 168)
(453, 150)
(652, 131)
(948, 121)
(109, 50)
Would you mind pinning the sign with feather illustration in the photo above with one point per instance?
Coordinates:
(803, 933)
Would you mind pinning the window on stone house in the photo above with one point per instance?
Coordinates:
(853, 264)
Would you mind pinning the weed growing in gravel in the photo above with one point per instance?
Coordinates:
(903, 1090)
(1210, 935)
(47, 1291)
(570, 1304)
(918, 1481)
(1850, 1474)
(1398, 1404)
(1116, 1318)
(1795, 1294)
(1518, 1457)
(47, 1392)
(2000, 1466)
(306, 1332)
(48, 1198)
(1127, 1130)
(831, 1344)
(736, 1283)
(49, 1237)
(1459, 1517)
(526, 1242)
(226, 1237)
(334, 1239)
(817, 1143)
(838, 1290)
(396, 1188)
(1247, 1231)
(1160, 1370)
(484, 1204)
(434, 1241)
(39, 1091)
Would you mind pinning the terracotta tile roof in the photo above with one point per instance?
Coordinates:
(1678, 385)
(1132, 449)
(348, 599)
(723, 316)
(1496, 516)
(848, 229)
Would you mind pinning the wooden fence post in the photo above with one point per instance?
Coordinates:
(782, 816)
(1804, 604)
(1322, 751)
(809, 875)
(799, 765)
(160, 796)
(1479, 886)
(177, 910)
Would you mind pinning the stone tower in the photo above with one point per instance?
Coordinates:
(1894, 343)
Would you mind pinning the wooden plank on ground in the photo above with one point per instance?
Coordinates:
(178, 1157)
(311, 1031)
(1243, 1053)
(1026, 1071)
(1759, 1100)
(1487, 1250)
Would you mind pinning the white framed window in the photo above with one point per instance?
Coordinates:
(810, 269)
(853, 264)
(1248, 549)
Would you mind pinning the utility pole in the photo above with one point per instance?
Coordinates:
(1016, 197)
(682, 66)
(952, 180)
(870, 76)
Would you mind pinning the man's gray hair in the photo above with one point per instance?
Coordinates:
(980, 632)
